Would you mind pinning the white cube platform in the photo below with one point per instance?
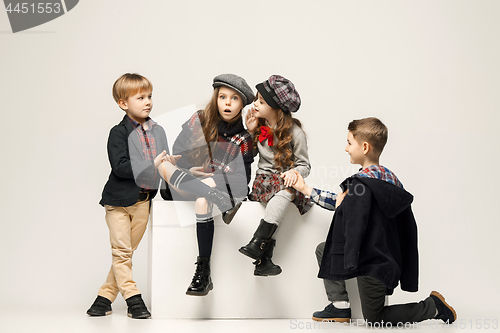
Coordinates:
(237, 293)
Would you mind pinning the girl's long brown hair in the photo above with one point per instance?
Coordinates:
(210, 120)
(283, 158)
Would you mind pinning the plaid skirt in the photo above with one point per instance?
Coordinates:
(266, 185)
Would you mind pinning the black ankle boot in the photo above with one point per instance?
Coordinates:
(265, 266)
(228, 216)
(202, 282)
(255, 249)
(221, 199)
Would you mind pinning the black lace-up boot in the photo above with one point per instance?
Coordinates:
(202, 282)
(221, 199)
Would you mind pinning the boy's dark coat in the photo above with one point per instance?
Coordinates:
(373, 233)
(128, 164)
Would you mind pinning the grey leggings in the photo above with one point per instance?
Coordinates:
(277, 206)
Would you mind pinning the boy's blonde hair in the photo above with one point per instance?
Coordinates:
(130, 84)
(371, 130)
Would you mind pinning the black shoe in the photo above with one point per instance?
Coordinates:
(202, 282)
(100, 307)
(227, 217)
(221, 199)
(136, 308)
(331, 313)
(255, 249)
(445, 312)
(265, 266)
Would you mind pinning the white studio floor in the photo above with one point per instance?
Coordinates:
(77, 321)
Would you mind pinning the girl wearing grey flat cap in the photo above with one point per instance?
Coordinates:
(282, 147)
(212, 165)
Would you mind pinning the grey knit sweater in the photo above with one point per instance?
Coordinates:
(300, 155)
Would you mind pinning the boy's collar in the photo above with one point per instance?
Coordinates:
(373, 166)
(137, 124)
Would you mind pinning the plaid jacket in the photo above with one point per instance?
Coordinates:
(233, 141)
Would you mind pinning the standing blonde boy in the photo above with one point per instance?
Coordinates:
(136, 146)
(373, 237)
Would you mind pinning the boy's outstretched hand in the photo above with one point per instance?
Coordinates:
(159, 159)
(164, 157)
(299, 183)
(172, 159)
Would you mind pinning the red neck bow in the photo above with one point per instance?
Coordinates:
(266, 133)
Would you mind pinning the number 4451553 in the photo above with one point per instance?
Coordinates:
(40, 8)
(475, 323)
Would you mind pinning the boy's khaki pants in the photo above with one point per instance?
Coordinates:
(126, 228)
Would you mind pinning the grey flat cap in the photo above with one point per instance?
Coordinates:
(237, 83)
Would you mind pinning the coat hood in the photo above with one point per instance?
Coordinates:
(390, 198)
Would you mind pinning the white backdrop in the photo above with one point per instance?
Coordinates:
(428, 69)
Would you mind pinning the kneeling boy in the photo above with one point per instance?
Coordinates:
(373, 237)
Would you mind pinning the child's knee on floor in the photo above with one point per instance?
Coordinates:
(319, 250)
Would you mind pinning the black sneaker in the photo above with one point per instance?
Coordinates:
(445, 312)
(136, 308)
(331, 313)
(100, 307)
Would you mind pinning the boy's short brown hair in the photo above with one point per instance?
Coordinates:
(371, 130)
(130, 84)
